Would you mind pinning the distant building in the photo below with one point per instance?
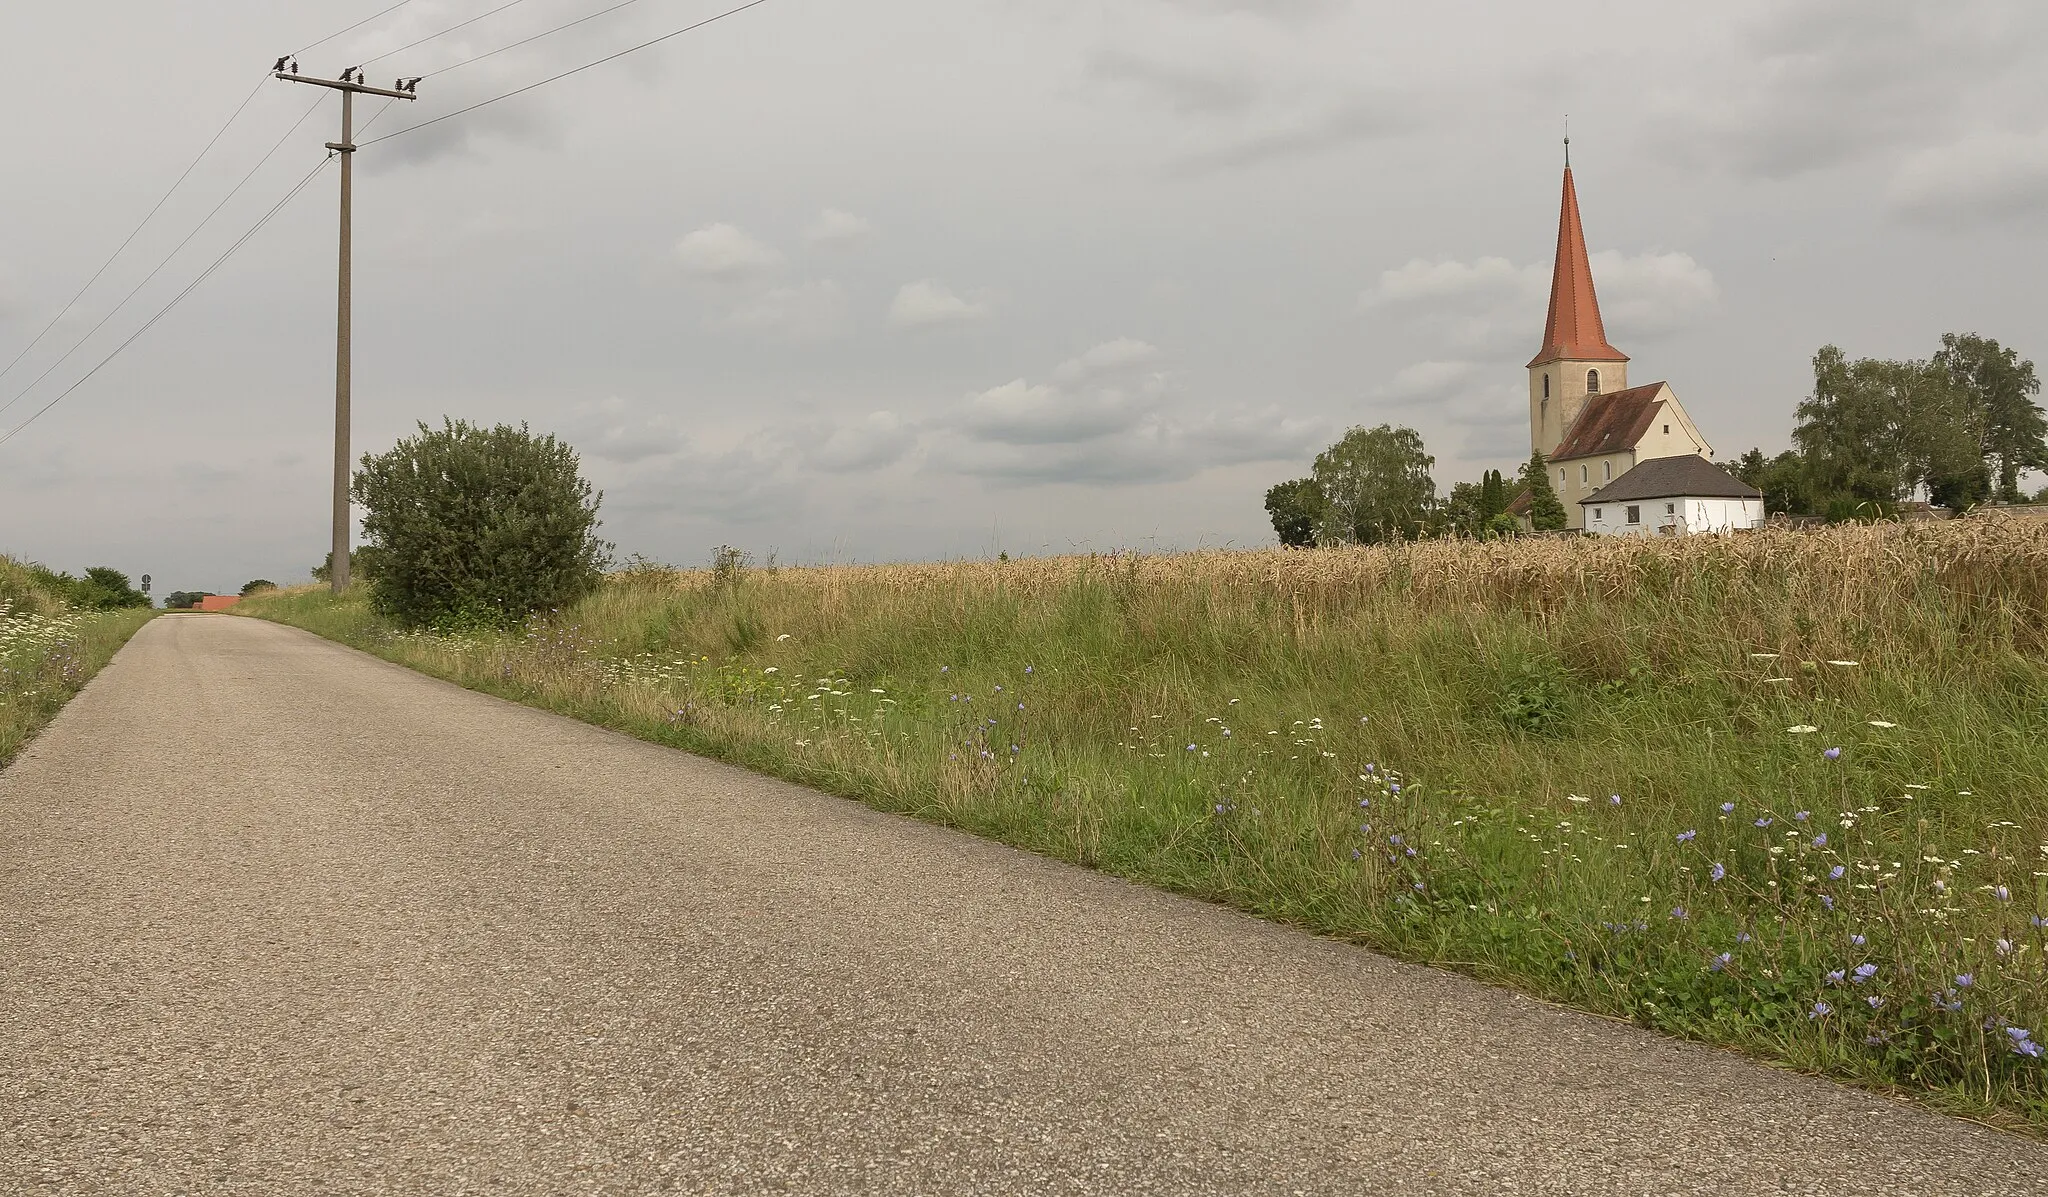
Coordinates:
(1584, 417)
(1671, 496)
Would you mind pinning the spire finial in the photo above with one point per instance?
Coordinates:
(1567, 141)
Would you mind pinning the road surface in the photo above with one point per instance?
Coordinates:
(277, 917)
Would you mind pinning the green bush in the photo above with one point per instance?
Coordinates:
(255, 585)
(477, 527)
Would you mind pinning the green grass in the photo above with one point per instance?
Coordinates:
(48, 652)
(1483, 757)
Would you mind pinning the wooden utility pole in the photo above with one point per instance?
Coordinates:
(338, 563)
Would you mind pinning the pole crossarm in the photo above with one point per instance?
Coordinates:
(340, 85)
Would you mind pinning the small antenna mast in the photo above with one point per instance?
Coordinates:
(1567, 141)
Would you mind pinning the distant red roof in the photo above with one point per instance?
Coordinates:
(218, 602)
(1519, 505)
(1610, 423)
(1573, 331)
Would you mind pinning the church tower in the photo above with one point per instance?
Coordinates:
(1576, 360)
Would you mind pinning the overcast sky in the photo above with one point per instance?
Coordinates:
(931, 278)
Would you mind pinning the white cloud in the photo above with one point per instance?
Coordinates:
(1429, 381)
(722, 251)
(1425, 280)
(813, 310)
(837, 228)
(1018, 413)
(1651, 294)
(877, 440)
(1106, 358)
(1984, 176)
(929, 302)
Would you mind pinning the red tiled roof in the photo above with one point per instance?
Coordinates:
(1610, 423)
(1573, 331)
(1519, 505)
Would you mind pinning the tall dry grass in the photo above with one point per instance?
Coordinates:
(1595, 769)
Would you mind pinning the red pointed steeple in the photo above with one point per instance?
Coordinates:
(1573, 332)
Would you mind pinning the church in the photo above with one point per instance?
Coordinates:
(1624, 460)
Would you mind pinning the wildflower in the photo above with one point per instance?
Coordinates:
(2039, 922)
(1820, 1010)
(1395, 789)
(1765, 821)
(945, 669)
(1720, 962)
(1835, 874)
(1614, 800)
(1825, 901)
(1864, 972)
(1686, 836)
(1394, 840)
(1727, 808)
(2023, 1042)
(1717, 872)
(1947, 1002)
(1027, 669)
(1418, 885)
(1191, 748)
(1355, 854)
(1965, 980)
(1802, 729)
(1835, 977)
(1833, 754)
(772, 669)
(1678, 912)
(2003, 894)
(2004, 947)
(1873, 1001)
(1821, 840)
(1742, 937)
(1803, 815)
(1857, 940)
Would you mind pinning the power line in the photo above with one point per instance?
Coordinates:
(115, 310)
(164, 199)
(572, 71)
(445, 32)
(352, 28)
(536, 37)
(133, 233)
(175, 301)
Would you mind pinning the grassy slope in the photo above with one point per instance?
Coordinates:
(47, 653)
(1484, 757)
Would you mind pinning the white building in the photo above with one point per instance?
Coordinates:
(1671, 496)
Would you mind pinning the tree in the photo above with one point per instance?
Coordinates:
(184, 600)
(478, 526)
(1376, 486)
(1782, 479)
(1874, 430)
(1546, 513)
(261, 584)
(1296, 508)
(1493, 496)
(2002, 387)
(362, 565)
(106, 589)
(1463, 510)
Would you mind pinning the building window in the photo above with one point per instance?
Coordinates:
(1545, 408)
(1582, 475)
(1607, 471)
(1546, 386)
(1597, 516)
(1667, 430)
(1635, 515)
(1592, 382)
(1670, 509)
(1560, 475)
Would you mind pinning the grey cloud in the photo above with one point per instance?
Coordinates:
(1358, 120)
(1187, 90)
(813, 310)
(1820, 83)
(1985, 177)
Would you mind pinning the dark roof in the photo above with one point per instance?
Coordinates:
(1689, 476)
(1610, 423)
(1519, 505)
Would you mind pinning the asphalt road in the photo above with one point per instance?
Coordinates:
(276, 917)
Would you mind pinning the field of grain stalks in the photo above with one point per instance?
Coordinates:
(1786, 791)
(48, 653)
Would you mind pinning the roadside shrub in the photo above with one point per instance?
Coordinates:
(257, 585)
(477, 527)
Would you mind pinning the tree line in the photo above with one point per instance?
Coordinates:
(1963, 424)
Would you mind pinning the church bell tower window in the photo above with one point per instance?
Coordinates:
(1592, 382)
(1546, 386)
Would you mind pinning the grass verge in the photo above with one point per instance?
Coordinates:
(48, 653)
(1786, 792)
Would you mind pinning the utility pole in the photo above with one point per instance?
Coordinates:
(338, 564)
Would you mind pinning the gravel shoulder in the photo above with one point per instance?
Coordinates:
(276, 916)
